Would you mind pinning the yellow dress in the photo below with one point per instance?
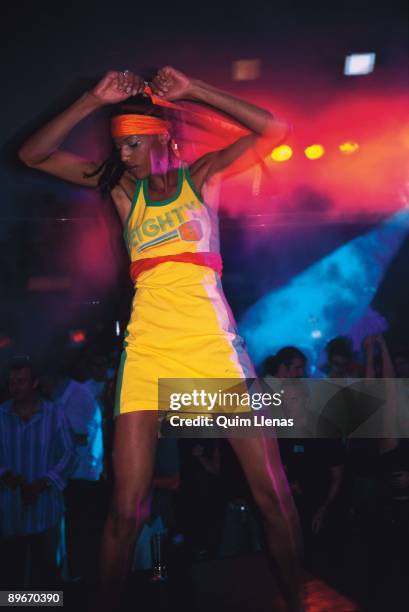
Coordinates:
(181, 326)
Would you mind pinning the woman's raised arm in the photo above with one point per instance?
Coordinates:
(41, 150)
(266, 131)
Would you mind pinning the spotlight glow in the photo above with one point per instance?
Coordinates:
(336, 291)
(314, 151)
(282, 154)
(359, 63)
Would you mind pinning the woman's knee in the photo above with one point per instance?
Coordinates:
(130, 514)
(267, 502)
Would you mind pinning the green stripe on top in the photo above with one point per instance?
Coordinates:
(118, 391)
(133, 204)
(192, 185)
(169, 200)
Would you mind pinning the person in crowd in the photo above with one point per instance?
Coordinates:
(390, 517)
(289, 362)
(341, 362)
(37, 456)
(348, 406)
(84, 515)
(315, 470)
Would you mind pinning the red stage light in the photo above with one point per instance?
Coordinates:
(78, 336)
(5, 341)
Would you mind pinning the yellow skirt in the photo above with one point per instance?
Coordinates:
(181, 327)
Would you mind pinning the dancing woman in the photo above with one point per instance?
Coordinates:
(181, 325)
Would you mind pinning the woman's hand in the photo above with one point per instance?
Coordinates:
(170, 84)
(116, 87)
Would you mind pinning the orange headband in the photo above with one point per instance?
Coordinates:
(126, 125)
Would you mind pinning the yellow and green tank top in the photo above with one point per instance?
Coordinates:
(181, 228)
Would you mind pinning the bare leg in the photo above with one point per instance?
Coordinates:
(260, 459)
(133, 459)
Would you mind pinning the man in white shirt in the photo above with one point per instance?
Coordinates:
(82, 496)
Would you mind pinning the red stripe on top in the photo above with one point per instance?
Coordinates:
(210, 260)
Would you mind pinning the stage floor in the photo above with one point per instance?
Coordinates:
(235, 584)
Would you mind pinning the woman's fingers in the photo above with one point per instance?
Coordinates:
(120, 80)
(158, 87)
(129, 83)
(134, 85)
(166, 71)
(137, 85)
(125, 81)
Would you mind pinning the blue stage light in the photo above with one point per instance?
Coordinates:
(330, 296)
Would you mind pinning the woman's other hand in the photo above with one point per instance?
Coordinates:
(170, 84)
